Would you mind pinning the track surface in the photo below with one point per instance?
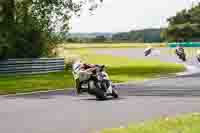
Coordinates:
(66, 114)
(166, 54)
(61, 112)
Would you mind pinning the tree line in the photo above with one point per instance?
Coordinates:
(184, 26)
(28, 27)
(31, 28)
(145, 35)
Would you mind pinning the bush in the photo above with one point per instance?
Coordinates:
(27, 44)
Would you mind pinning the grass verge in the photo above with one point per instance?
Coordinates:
(29, 83)
(181, 124)
(110, 45)
(120, 69)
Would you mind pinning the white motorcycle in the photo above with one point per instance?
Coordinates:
(198, 55)
(96, 83)
(148, 51)
(180, 52)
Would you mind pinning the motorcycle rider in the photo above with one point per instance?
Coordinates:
(180, 52)
(148, 50)
(83, 72)
(179, 49)
(198, 55)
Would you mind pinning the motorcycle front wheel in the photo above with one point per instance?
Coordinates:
(198, 59)
(115, 94)
(100, 94)
(95, 90)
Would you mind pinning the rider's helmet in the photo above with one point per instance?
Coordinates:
(77, 64)
(198, 52)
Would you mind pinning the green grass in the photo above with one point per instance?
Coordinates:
(28, 83)
(111, 45)
(122, 69)
(181, 124)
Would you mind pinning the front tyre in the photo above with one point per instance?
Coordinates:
(115, 93)
(183, 57)
(100, 94)
(96, 91)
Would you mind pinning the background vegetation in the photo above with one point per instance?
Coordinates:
(134, 36)
(184, 26)
(28, 27)
(32, 28)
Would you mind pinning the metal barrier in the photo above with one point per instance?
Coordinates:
(184, 44)
(31, 66)
(190, 47)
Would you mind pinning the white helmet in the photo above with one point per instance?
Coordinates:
(198, 52)
(77, 65)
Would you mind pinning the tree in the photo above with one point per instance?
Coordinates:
(145, 35)
(99, 38)
(6, 26)
(28, 24)
(185, 25)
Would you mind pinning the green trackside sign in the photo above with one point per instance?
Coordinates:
(184, 44)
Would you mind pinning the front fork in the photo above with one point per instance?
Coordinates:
(107, 85)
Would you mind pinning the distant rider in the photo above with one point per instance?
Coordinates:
(179, 50)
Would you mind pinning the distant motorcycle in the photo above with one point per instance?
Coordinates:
(198, 56)
(148, 51)
(180, 53)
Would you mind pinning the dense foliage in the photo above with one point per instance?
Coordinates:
(27, 26)
(184, 26)
(146, 35)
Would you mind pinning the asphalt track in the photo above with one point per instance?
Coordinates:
(62, 112)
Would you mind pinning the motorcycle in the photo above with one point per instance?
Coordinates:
(181, 54)
(148, 51)
(198, 56)
(96, 83)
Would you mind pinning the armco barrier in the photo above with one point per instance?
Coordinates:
(31, 66)
(184, 44)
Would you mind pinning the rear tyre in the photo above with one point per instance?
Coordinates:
(183, 57)
(198, 59)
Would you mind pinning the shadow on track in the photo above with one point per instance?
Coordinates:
(108, 99)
